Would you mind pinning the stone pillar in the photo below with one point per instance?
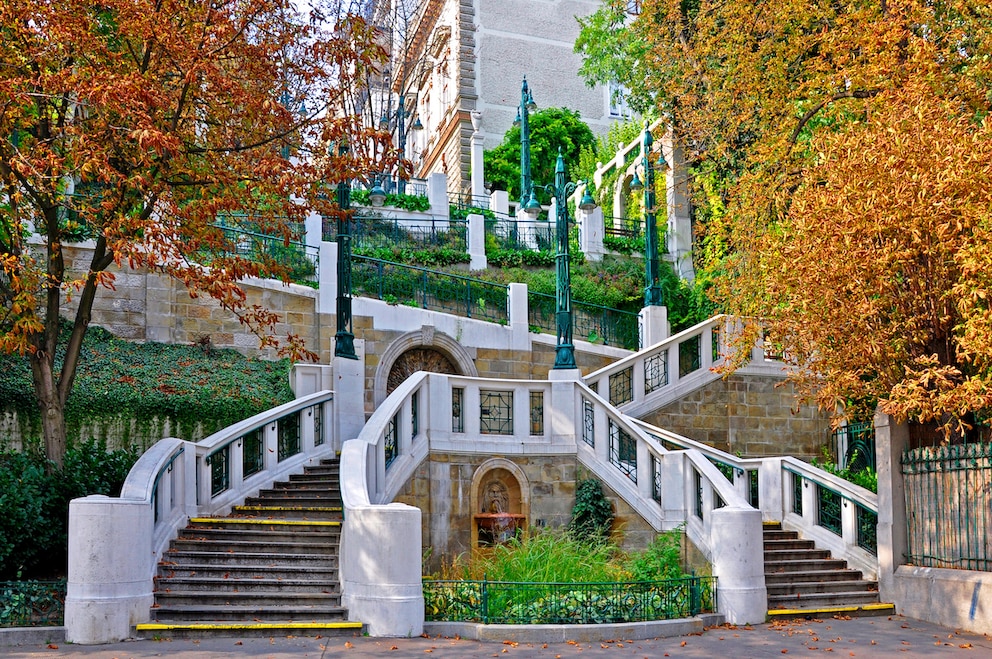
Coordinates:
(891, 439)
(381, 569)
(327, 283)
(739, 564)
(478, 171)
(654, 327)
(314, 230)
(349, 395)
(477, 242)
(306, 379)
(109, 588)
(499, 202)
(519, 316)
(437, 195)
(591, 233)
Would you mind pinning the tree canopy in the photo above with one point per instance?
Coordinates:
(136, 124)
(841, 154)
(550, 129)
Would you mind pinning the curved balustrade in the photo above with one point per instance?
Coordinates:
(115, 544)
(664, 372)
(446, 413)
(837, 514)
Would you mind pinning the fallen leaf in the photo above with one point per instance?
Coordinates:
(965, 645)
(683, 643)
(394, 648)
(785, 652)
(52, 646)
(348, 644)
(239, 643)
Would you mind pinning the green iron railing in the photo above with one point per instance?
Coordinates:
(829, 503)
(509, 603)
(429, 289)
(509, 234)
(31, 603)
(949, 506)
(368, 233)
(855, 446)
(301, 261)
(591, 322)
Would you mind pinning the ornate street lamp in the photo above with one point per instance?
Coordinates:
(564, 349)
(527, 104)
(400, 116)
(344, 340)
(652, 290)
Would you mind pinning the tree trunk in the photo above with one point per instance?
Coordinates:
(52, 408)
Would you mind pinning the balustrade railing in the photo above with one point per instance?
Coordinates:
(521, 235)
(641, 379)
(301, 260)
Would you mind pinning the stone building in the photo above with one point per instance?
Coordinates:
(455, 57)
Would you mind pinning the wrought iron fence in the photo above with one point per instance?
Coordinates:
(463, 201)
(855, 446)
(528, 235)
(31, 603)
(301, 261)
(510, 603)
(397, 233)
(591, 322)
(949, 505)
(429, 289)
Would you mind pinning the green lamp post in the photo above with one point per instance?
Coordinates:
(652, 290)
(344, 339)
(527, 104)
(564, 348)
(401, 115)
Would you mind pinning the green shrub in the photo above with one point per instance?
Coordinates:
(866, 478)
(408, 202)
(661, 560)
(548, 556)
(592, 515)
(34, 506)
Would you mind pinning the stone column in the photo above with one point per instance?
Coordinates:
(739, 564)
(109, 588)
(591, 233)
(477, 242)
(653, 325)
(327, 283)
(437, 194)
(478, 171)
(679, 219)
(891, 439)
(349, 395)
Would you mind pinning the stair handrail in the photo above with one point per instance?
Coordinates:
(853, 541)
(654, 376)
(277, 461)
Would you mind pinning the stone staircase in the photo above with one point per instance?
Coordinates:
(270, 567)
(805, 581)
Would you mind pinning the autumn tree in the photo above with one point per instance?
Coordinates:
(137, 123)
(842, 150)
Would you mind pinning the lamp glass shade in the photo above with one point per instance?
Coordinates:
(587, 203)
(377, 196)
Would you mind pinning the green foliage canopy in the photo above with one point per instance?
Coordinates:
(550, 129)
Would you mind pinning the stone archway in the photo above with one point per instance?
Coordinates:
(420, 350)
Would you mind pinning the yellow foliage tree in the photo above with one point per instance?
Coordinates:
(853, 146)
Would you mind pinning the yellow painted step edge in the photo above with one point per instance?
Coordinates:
(270, 522)
(156, 626)
(829, 609)
(333, 509)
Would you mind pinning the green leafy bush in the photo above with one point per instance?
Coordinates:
(408, 202)
(592, 515)
(34, 505)
(866, 478)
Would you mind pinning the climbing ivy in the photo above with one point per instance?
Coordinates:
(189, 385)
(592, 515)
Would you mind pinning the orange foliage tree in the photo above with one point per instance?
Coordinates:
(136, 123)
(847, 147)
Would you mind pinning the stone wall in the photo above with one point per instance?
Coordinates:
(442, 488)
(755, 416)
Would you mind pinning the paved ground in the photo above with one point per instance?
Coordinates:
(893, 636)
